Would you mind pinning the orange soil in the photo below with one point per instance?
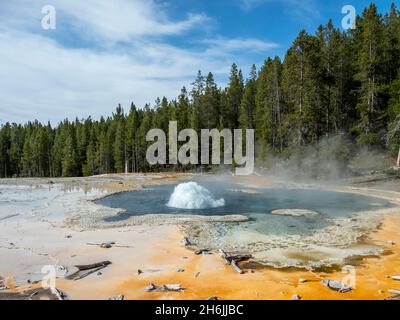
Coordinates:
(206, 276)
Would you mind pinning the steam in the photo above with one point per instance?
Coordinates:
(191, 195)
(330, 159)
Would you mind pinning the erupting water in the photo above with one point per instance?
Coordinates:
(191, 195)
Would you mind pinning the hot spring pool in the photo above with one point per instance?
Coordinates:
(217, 198)
(328, 234)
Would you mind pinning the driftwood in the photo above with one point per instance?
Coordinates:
(58, 293)
(166, 287)
(172, 287)
(151, 287)
(92, 266)
(395, 297)
(9, 216)
(396, 292)
(186, 241)
(337, 286)
(201, 251)
(107, 245)
(89, 268)
(240, 257)
(224, 256)
(234, 259)
(236, 267)
(34, 294)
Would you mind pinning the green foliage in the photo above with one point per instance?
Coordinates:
(329, 86)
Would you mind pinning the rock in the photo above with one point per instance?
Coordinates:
(213, 298)
(119, 297)
(139, 272)
(296, 297)
(337, 286)
(381, 291)
(303, 280)
(180, 270)
(391, 242)
(397, 278)
(172, 287)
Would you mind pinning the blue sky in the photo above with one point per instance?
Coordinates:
(107, 52)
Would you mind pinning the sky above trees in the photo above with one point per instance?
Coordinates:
(107, 52)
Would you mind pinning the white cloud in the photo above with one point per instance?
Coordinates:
(122, 20)
(41, 78)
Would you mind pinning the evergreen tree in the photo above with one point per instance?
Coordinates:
(371, 76)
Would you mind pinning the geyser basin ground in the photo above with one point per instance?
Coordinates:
(325, 232)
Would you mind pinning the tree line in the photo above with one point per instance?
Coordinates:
(333, 83)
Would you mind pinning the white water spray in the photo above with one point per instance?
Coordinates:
(191, 195)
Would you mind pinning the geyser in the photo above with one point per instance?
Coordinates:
(191, 195)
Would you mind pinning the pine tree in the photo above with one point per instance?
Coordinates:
(248, 104)
(370, 75)
(233, 98)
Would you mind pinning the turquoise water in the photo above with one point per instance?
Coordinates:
(257, 204)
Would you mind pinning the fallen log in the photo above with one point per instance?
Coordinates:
(337, 286)
(107, 245)
(395, 292)
(172, 287)
(89, 268)
(186, 241)
(234, 259)
(9, 216)
(93, 265)
(201, 251)
(224, 256)
(58, 293)
(237, 258)
(236, 267)
(240, 257)
(166, 287)
(212, 298)
(395, 297)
